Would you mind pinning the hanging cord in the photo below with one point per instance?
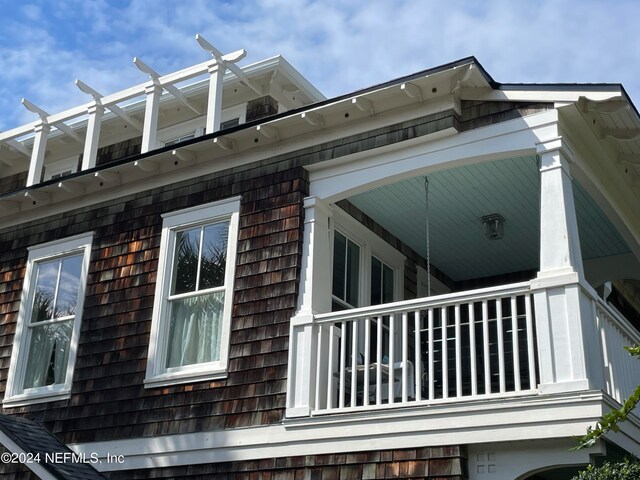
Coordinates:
(427, 222)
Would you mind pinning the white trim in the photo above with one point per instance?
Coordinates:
(69, 164)
(157, 375)
(370, 245)
(15, 394)
(34, 466)
(510, 419)
(364, 171)
(196, 126)
(132, 184)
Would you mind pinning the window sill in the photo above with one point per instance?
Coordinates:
(34, 398)
(168, 379)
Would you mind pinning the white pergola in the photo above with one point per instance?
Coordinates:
(153, 89)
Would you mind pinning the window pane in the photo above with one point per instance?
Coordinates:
(48, 354)
(214, 255)
(194, 330)
(387, 284)
(69, 285)
(339, 264)
(43, 301)
(353, 273)
(186, 260)
(376, 281)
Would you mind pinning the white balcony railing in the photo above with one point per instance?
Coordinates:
(621, 370)
(452, 347)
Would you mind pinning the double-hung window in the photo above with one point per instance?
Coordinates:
(194, 294)
(48, 326)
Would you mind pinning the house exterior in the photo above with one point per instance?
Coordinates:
(433, 277)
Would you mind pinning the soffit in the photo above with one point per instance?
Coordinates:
(459, 197)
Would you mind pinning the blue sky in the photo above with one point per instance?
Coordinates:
(339, 46)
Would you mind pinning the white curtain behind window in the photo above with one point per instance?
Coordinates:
(194, 330)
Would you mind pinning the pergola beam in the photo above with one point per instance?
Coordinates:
(43, 117)
(97, 97)
(172, 89)
(228, 61)
(16, 145)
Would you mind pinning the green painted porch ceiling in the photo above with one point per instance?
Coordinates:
(459, 197)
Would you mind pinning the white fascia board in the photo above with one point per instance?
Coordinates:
(472, 422)
(550, 94)
(298, 79)
(245, 157)
(361, 172)
(18, 131)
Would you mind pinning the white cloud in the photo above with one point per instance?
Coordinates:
(339, 46)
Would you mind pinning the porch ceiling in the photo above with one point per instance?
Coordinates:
(458, 198)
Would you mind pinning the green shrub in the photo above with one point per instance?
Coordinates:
(629, 469)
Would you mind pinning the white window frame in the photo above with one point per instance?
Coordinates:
(15, 394)
(193, 127)
(62, 167)
(370, 245)
(196, 126)
(237, 111)
(157, 374)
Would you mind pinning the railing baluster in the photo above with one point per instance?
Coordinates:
(418, 356)
(405, 355)
(458, 352)
(445, 354)
(392, 334)
(440, 327)
(319, 364)
(431, 369)
(367, 360)
(530, 345)
(354, 361)
(500, 344)
(330, 366)
(485, 344)
(379, 361)
(516, 344)
(343, 363)
(472, 351)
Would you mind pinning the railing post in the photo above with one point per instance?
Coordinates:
(94, 123)
(564, 320)
(315, 297)
(214, 106)
(37, 154)
(151, 111)
(301, 379)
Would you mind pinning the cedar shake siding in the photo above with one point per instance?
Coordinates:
(443, 463)
(108, 400)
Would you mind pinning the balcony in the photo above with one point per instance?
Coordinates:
(464, 347)
(456, 347)
(510, 337)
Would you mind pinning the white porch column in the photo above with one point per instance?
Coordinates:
(214, 106)
(37, 154)
(559, 242)
(94, 123)
(565, 322)
(315, 297)
(150, 127)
